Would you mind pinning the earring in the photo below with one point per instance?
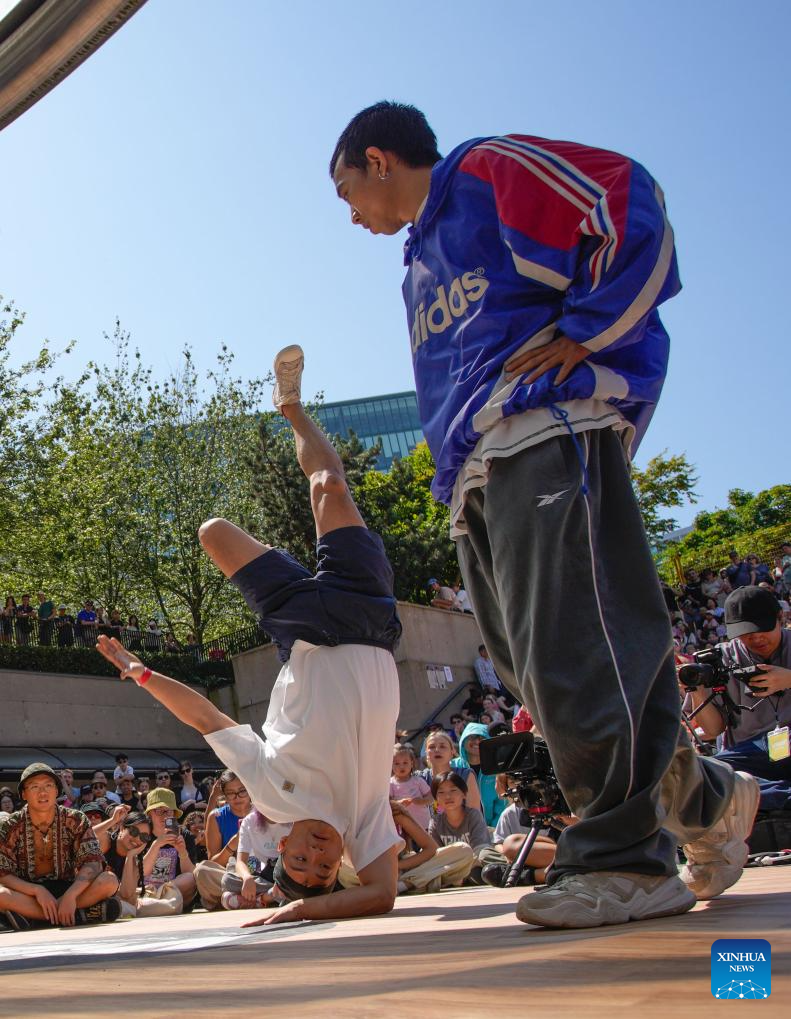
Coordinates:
(384, 176)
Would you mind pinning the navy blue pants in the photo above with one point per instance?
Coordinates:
(348, 600)
(774, 777)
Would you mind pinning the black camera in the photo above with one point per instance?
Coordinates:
(711, 671)
(524, 759)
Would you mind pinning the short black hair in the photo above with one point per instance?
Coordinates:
(481, 647)
(135, 818)
(392, 127)
(449, 776)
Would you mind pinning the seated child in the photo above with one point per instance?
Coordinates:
(409, 789)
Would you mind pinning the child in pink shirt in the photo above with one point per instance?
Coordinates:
(408, 789)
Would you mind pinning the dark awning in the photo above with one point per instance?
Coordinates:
(43, 41)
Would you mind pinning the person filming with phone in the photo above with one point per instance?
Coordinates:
(167, 867)
(758, 741)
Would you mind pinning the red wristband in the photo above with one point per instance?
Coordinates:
(144, 678)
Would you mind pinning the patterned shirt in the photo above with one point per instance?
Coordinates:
(73, 845)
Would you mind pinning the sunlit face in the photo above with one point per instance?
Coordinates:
(402, 766)
(763, 644)
(312, 853)
(158, 817)
(472, 747)
(449, 797)
(40, 793)
(67, 777)
(237, 797)
(198, 831)
(135, 835)
(371, 200)
(143, 786)
(438, 753)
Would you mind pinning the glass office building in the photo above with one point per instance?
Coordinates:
(393, 418)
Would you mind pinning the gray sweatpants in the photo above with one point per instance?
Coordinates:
(567, 599)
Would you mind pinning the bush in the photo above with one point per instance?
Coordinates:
(85, 661)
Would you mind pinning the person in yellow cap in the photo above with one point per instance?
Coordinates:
(167, 861)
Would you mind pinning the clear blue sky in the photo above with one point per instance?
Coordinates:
(178, 181)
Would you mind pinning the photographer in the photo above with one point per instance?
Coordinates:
(753, 618)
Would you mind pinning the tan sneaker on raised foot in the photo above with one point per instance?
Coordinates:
(715, 861)
(288, 366)
(604, 897)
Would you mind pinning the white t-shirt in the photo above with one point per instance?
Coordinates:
(327, 750)
(260, 844)
(127, 772)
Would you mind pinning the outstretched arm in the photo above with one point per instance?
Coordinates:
(375, 894)
(187, 705)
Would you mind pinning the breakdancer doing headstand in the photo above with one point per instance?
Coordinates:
(325, 763)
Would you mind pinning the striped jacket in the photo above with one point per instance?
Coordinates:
(521, 239)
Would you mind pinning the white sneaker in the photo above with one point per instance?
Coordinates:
(230, 900)
(715, 861)
(604, 897)
(288, 366)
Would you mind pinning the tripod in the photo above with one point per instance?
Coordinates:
(539, 816)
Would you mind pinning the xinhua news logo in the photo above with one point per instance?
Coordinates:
(741, 968)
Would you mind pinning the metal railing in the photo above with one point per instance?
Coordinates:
(60, 632)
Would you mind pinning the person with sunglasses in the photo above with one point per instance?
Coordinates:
(100, 790)
(189, 793)
(163, 779)
(123, 839)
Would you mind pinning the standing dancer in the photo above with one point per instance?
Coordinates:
(534, 272)
(325, 763)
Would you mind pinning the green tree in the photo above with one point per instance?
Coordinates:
(123, 469)
(666, 482)
(414, 528)
(191, 440)
(23, 380)
(283, 514)
(745, 514)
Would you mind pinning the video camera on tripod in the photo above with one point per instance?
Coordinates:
(525, 761)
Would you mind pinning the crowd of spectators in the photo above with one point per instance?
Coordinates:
(147, 845)
(697, 606)
(159, 844)
(451, 597)
(23, 623)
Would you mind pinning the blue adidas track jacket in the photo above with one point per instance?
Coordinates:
(519, 234)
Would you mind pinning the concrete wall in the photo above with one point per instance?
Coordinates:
(53, 710)
(431, 637)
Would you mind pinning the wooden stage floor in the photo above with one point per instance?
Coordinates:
(457, 954)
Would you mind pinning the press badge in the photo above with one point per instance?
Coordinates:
(777, 742)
